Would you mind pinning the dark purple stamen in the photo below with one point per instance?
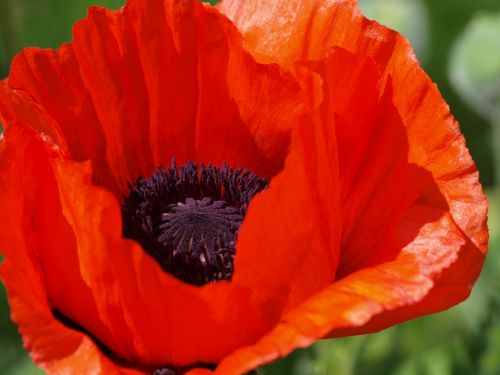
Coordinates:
(188, 218)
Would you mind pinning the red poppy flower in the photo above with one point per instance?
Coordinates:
(361, 207)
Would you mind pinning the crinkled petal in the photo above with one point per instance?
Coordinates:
(377, 181)
(101, 282)
(52, 345)
(406, 193)
(135, 88)
(440, 227)
(289, 31)
(15, 106)
(405, 285)
(288, 245)
(285, 31)
(149, 316)
(144, 84)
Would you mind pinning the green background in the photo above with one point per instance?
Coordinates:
(458, 43)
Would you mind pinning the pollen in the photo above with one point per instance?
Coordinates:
(188, 218)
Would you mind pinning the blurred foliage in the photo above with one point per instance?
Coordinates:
(448, 19)
(458, 43)
(408, 17)
(41, 23)
(475, 72)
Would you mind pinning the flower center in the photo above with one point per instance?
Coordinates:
(188, 218)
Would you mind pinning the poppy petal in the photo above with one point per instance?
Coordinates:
(129, 288)
(86, 218)
(162, 81)
(288, 245)
(449, 260)
(308, 31)
(353, 191)
(16, 106)
(52, 345)
(303, 284)
(117, 291)
(354, 300)
(434, 271)
(377, 181)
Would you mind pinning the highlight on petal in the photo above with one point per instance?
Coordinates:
(297, 30)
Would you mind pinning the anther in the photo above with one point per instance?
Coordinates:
(188, 218)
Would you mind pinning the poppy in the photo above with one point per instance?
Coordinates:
(190, 189)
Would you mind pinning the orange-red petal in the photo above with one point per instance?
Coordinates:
(354, 300)
(16, 106)
(98, 280)
(288, 245)
(143, 314)
(106, 95)
(442, 225)
(52, 345)
(293, 257)
(377, 181)
(309, 29)
(144, 84)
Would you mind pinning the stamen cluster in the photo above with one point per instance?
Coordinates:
(188, 218)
